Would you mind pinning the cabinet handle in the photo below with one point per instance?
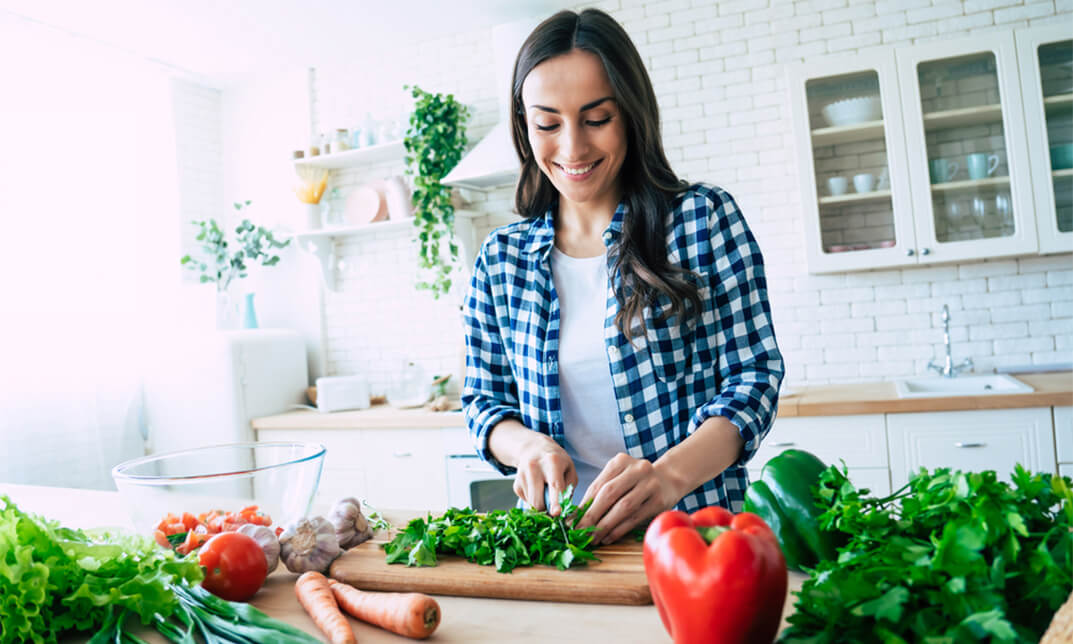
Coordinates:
(478, 468)
(925, 251)
(909, 252)
(401, 454)
(963, 445)
(783, 444)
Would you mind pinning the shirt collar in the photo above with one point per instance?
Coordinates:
(542, 230)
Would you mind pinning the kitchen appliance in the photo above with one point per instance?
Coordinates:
(493, 163)
(204, 388)
(472, 483)
(338, 393)
(475, 484)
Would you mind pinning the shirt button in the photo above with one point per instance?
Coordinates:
(612, 351)
(607, 236)
(628, 418)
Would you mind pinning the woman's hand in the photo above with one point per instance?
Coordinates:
(627, 492)
(541, 461)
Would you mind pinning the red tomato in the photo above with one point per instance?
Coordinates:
(235, 566)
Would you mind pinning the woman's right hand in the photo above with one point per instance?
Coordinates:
(541, 461)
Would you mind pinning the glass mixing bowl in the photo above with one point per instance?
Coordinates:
(280, 478)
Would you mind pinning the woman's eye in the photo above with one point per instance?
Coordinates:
(546, 128)
(599, 123)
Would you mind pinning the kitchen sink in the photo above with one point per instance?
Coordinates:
(982, 385)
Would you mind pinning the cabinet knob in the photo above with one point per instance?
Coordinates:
(909, 252)
(965, 445)
(925, 251)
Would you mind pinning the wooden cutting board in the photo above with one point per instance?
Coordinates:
(618, 578)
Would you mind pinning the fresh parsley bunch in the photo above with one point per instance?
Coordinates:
(503, 538)
(952, 557)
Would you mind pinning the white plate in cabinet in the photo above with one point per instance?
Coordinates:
(970, 441)
(1063, 433)
(859, 440)
(406, 469)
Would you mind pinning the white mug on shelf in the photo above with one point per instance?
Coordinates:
(837, 186)
(864, 182)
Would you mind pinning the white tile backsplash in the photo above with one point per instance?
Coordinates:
(718, 71)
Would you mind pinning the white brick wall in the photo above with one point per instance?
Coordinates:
(718, 70)
(199, 162)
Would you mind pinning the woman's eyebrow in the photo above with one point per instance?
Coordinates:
(584, 108)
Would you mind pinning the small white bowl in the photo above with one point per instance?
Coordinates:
(850, 111)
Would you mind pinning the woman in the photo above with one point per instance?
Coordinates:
(618, 337)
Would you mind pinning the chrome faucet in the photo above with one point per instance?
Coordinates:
(948, 369)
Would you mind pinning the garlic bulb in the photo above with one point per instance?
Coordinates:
(309, 544)
(266, 538)
(351, 527)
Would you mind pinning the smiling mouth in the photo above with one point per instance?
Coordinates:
(579, 171)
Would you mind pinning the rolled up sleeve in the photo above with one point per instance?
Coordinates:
(750, 365)
(489, 394)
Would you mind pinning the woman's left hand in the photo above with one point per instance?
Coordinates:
(627, 492)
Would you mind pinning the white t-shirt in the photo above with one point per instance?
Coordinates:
(590, 412)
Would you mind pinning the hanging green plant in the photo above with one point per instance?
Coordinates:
(434, 143)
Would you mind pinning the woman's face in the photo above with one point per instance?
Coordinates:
(575, 128)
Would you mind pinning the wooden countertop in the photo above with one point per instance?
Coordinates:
(1051, 389)
(465, 619)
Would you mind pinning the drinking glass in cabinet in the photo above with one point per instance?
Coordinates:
(1056, 76)
(966, 146)
(849, 154)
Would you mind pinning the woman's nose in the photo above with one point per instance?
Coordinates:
(574, 142)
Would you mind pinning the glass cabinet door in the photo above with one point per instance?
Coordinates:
(849, 154)
(1055, 62)
(968, 163)
(848, 124)
(1046, 60)
(968, 150)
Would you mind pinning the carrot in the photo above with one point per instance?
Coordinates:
(315, 596)
(414, 615)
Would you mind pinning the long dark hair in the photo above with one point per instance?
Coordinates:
(649, 186)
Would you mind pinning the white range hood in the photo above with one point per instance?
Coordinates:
(492, 163)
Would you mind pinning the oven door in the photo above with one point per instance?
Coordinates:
(475, 484)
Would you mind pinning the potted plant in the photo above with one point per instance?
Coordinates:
(434, 143)
(224, 260)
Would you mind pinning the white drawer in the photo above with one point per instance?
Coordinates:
(405, 468)
(343, 446)
(859, 440)
(1065, 469)
(1063, 433)
(970, 440)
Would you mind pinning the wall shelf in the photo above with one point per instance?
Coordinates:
(321, 243)
(352, 158)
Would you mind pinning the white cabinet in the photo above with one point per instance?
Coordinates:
(970, 440)
(940, 130)
(860, 441)
(405, 468)
(1063, 435)
(1045, 55)
(390, 468)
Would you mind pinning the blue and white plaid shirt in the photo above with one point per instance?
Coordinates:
(726, 363)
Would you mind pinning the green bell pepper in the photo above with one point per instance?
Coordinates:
(783, 498)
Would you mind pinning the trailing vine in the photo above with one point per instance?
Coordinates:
(434, 143)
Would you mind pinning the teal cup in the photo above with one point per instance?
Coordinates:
(942, 170)
(982, 166)
(1062, 156)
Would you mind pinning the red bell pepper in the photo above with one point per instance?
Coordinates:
(716, 577)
